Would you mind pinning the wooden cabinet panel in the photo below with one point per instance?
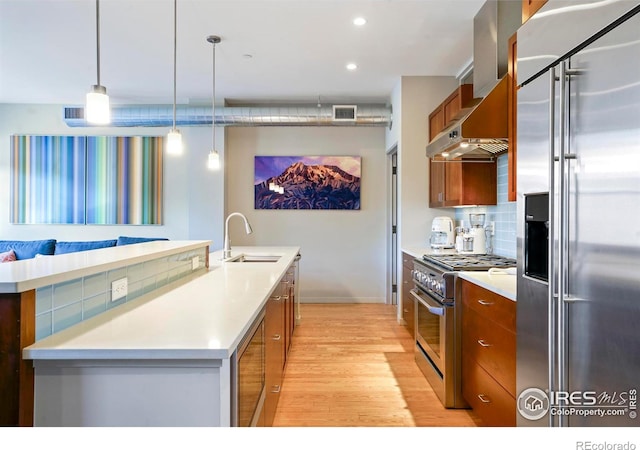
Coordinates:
(436, 122)
(455, 102)
(462, 183)
(489, 305)
(529, 8)
(408, 302)
(512, 108)
(489, 354)
(274, 352)
(488, 399)
(492, 347)
(449, 110)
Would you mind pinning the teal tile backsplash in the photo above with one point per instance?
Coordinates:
(503, 214)
(62, 305)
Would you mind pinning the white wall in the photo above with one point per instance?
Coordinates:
(419, 97)
(193, 196)
(412, 100)
(343, 252)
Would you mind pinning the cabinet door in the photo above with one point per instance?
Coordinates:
(455, 102)
(436, 122)
(408, 302)
(274, 352)
(452, 183)
(436, 183)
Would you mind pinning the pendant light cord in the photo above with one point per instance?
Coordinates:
(213, 102)
(98, 38)
(175, 52)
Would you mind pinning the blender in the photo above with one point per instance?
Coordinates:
(477, 233)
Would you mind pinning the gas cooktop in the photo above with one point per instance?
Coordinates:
(469, 262)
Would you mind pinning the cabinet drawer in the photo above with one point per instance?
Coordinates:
(490, 401)
(491, 346)
(489, 305)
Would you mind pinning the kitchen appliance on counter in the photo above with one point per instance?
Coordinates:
(578, 165)
(438, 319)
(474, 239)
(442, 235)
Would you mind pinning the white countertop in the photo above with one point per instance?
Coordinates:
(500, 283)
(27, 274)
(205, 318)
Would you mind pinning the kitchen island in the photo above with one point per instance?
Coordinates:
(164, 359)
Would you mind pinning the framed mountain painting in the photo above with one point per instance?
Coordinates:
(307, 182)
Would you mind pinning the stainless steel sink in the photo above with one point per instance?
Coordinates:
(255, 258)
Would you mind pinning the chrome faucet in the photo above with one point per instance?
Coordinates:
(227, 244)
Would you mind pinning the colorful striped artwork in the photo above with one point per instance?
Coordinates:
(48, 179)
(124, 180)
(86, 180)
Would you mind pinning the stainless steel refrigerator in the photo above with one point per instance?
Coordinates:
(578, 209)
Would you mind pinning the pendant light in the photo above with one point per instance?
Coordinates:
(174, 138)
(213, 162)
(97, 109)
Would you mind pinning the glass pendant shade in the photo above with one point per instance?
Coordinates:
(97, 109)
(213, 162)
(174, 142)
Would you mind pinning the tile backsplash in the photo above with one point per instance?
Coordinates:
(61, 305)
(503, 214)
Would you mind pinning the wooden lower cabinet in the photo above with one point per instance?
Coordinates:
(17, 331)
(279, 326)
(489, 355)
(408, 302)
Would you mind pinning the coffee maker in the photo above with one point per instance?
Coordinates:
(441, 233)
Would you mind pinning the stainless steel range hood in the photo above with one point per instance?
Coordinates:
(481, 132)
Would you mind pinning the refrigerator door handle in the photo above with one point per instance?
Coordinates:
(552, 292)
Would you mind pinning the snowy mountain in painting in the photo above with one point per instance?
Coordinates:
(310, 187)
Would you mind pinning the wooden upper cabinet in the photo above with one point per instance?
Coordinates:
(455, 183)
(455, 102)
(436, 122)
(449, 110)
(529, 8)
(512, 108)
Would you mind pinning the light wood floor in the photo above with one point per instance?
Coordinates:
(353, 365)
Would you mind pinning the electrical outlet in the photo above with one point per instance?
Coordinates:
(195, 262)
(493, 228)
(119, 289)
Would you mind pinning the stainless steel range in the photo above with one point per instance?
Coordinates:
(438, 319)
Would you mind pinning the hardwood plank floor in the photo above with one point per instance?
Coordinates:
(352, 365)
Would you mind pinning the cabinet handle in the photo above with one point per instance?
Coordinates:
(485, 303)
(286, 297)
(276, 337)
(277, 299)
(275, 389)
(406, 310)
(483, 343)
(483, 398)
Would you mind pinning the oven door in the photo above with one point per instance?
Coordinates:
(431, 328)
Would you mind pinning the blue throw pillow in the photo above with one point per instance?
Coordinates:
(126, 240)
(80, 246)
(29, 249)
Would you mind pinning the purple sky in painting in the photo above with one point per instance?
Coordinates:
(271, 166)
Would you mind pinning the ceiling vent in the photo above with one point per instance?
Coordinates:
(343, 113)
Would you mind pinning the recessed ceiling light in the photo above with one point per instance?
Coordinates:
(352, 66)
(359, 21)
